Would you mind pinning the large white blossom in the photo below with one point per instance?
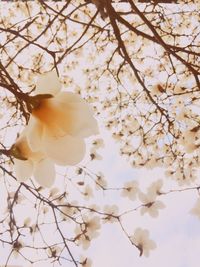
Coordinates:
(28, 163)
(55, 133)
(59, 122)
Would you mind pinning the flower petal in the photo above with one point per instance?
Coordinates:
(51, 115)
(79, 113)
(34, 134)
(44, 172)
(153, 212)
(23, 169)
(69, 97)
(48, 83)
(65, 150)
(85, 124)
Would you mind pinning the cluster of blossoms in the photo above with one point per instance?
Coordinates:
(150, 204)
(59, 122)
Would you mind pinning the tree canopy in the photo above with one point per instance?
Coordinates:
(137, 64)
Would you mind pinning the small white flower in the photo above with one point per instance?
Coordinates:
(142, 241)
(28, 163)
(87, 231)
(27, 222)
(111, 212)
(58, 124)
(151, 206)
(101, 183)
(158, 89)
(86, 262)
(95, 155)
(45, 209)
(155, 188)
(196, 209)
(130, 190)
(69, 211)
(53, 251)
(82, 239)
(92, 226)
(54, 192)
(88, 192)
(99, 143)
(17, 246)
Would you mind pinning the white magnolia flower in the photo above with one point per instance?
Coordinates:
(86, 262)
(101, 182)
(59, 122)
(28, 163)
(99, 143)
(88, 192)
(150, 205)
(111, 213)
(142, 241)
(53, 251)
(82, 239)
(158, 89)
(130, 190)
(88, 231)
(92, 226)
(68, 211)
(27, 222)
(155, 188)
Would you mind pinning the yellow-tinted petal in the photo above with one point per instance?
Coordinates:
(34, 134)
(78, 117)
(44, 172)
(69, 97)
(66, 150)
(51, 116)
(23, 169)
(48, 83)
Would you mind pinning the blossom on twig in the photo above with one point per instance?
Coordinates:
(28, 163)
(55, 133)
(130, 190)
(59, 124)
(150, 205)
(142, 242)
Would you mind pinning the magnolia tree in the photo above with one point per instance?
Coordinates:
(69, 71)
